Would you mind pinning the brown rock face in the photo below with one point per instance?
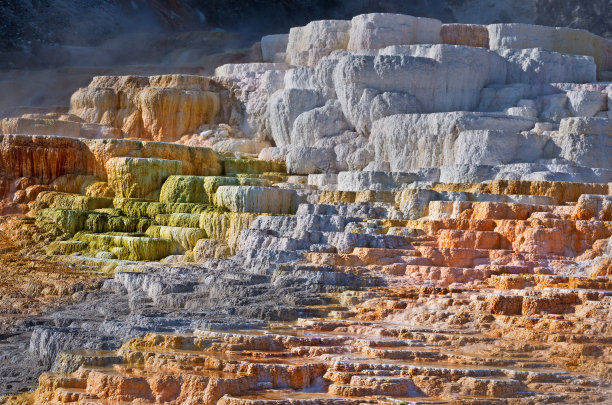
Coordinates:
(31, 164)
(158, 108)
(560, 191)
(28, 284)
(43, 158)
(195, 160)
(465, 34)
(506, 304)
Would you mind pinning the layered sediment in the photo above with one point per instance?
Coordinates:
(382, 210)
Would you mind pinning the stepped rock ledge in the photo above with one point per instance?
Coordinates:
(382, 210)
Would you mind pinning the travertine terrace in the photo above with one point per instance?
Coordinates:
(385, 210)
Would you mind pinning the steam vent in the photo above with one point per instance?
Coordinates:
(385, 210)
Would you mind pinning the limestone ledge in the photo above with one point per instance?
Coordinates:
(46, 158)
(429, 219)
(256, 199)
(158, 108)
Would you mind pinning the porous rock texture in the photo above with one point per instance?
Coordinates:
(385, 210)
(160, 108)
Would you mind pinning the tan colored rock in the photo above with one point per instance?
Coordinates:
(100, 189)
(210, 249)
(507, 282)
(169, 113)
(195, 160)
(140, 177)
(159, 108)
(550, 303)
(226, 226)
(465, 34)
(73, 183)
(41, 126)
(560, 191)
(506, 304)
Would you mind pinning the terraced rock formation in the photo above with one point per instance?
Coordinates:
(383, 210)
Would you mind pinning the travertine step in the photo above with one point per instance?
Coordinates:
(386, 210)
(129, 246)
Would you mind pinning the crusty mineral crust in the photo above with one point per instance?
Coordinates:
(382, 210)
